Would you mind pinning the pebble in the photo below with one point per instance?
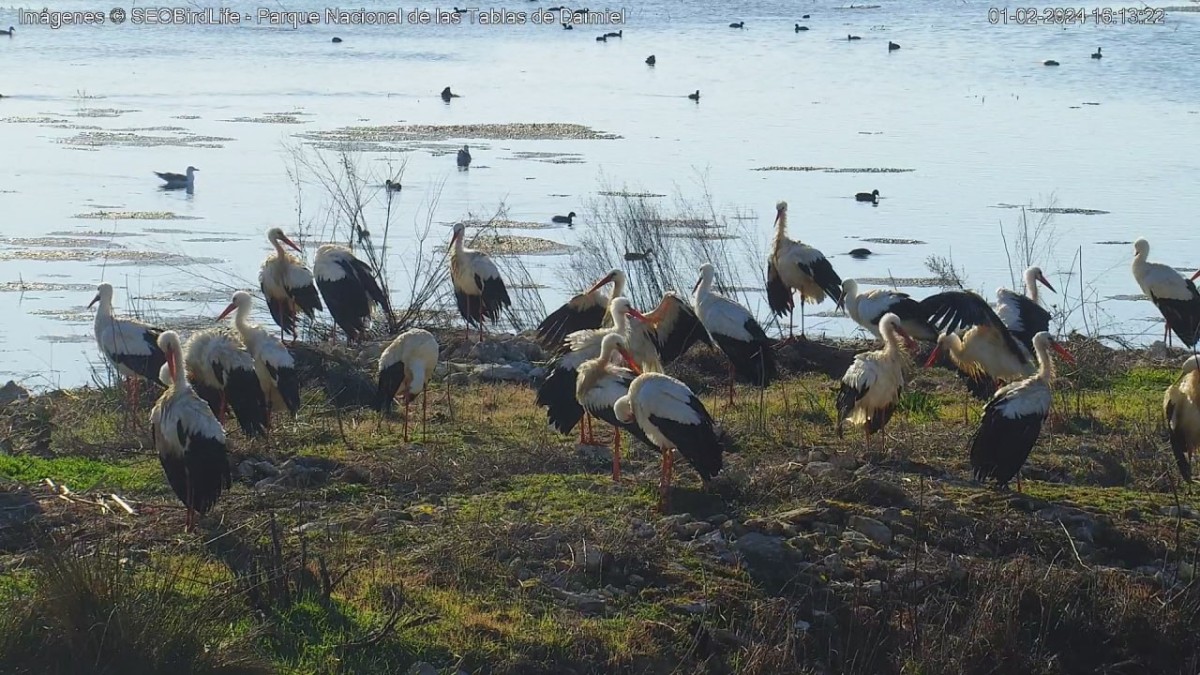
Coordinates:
(873, 529)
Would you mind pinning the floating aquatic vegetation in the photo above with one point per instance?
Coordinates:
(134, 215)
(31, 120)
(1069, 212)
(211, 240)
(67, 339)
(185, 117)
(92, 234)
(830, 169)
(96, 139)
(511, 244)
(60, 242)
(70, 315)
(508, 224)
(700, 235)
(549, 157)
(1114, 243)
(191, 296)
(623, 193)
(687, 223)
(110, 257)
(42, 287)
(384, 136)
(909, 282)
(270, 118)
(103, 112)
(1128, 297)
(885, 240)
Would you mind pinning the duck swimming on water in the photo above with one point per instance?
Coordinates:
(872, 196)
(739, 24)
(892, 46)
(853, 37)
(10, 32)
(695, 97)
(564, 219)
(800, 28)
(650, 60)
(447, 95)
(1097, 55)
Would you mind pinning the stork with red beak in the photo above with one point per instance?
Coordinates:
(601, 382)
(287, 284)
(871, 387)
(1021, 313)
(585, 311)
(130, 346)
(1175, 295)
(478, 287)
(735, 331)
(273, 363)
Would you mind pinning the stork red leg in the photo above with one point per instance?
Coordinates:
(668, 464)
(406, 402)
(425, 414)
(616, 454)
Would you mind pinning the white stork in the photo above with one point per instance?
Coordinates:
(222, 373)
(1012, 419)
(868, 307)
(1181, 404)
(872, 384)
(665, 333)
(582, 312)
(405, 367)
(987, 350)
(272, 361)
(601, 382)
(478, 288)
(673, 418)
(1174, 295)
(189, 439)
(130, 346)
(287, 284)
(1022, 314)
(557, 392)
(735, 331)
(349, 288)
(796, 266)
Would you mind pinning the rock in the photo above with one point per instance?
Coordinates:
(584, 603)
(459, 379)
(802, 626)
(501, 373)
(1184, 511)
(422, 668)
(717, 520)
(802, 516)
(874, 587)
(592, 559)
(844, 461)
(537, 373)
(694, 607)
(760, 550)
(11, 393)
(874, 530)
(817, 456)
(267, 469)
(819, 469)
(637, 580)
(697, 528)
(676, 521)
(354, 474)
(892, 514)
(246, 470)
(1158, 350)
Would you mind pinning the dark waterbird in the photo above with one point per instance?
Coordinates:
(447, 95)
(739, 24)
(564, 219)
(464, 158)
(10, 32)
(602, 38)
(860, 253)
(853, 37)
(336, 40)
(872, 196)
(620, 33)
(892, 46)
(567, 26)
(1049, 62)
(1097, 54)
(800, 28)
(805, 16)
(392, 185)
(695, 97)
(650, 60)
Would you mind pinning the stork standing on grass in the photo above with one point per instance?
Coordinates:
(987, 350)
(735, 331)
(1012, 420)
(869, 307)
(557, 392)
(478, 288)
(350, 290)
(405, 368)
(872, 384)
(1181, 405)
(287, 284)
(674, 419)
(273, 363)
(1174, 295)
(586, 310)
(601, 382)
(796, 266)
(665, 333)
(130, 346)
(222, 373)
(189, 439)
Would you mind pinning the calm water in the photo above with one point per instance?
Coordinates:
(966, 105)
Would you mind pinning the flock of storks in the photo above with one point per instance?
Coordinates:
(610, 357)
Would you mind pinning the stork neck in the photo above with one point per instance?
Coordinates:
(104, 311)
(1031, 288)
(621, 322)
(891, 341)
(241, 320)
(458, 243)
(417, 382)
(780, 229)
(1045, 362)
(618, 285)
(278, 247)
(705, 287)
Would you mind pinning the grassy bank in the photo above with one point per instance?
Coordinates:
(495, 546)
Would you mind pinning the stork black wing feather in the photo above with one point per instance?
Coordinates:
(955, 310)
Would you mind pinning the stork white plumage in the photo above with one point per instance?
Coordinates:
(601, 382)
(872, 384)
(1012, 419)
(868, 307)
(584, 311)
(1021, 313)
(130, 346)
(557, 391)
(405, 368)
(221, 372)
(350, 290)
(1174, 294)
(797, 266)
(478, 287)
(735, 331)
(189, 439)
(287, 285)
(273, 363)
(673, 418)
(1181, 406)
(987, 350)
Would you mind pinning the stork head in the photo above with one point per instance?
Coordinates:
(168, 341)
(614, 342)
(608, 279)
(780, 212)
(943, 343)
(1044, 340)
(623, 306)
(240, 299)
(1034, 275)
(459, 229)
(1141, 247)
(707, 272)
(849, 290)
(276, 234)
(164, 375)
(103, 294)
(890, 323)
(623, 409)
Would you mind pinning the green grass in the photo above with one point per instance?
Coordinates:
(81, 473)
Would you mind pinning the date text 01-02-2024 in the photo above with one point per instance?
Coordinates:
(1067, 16)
